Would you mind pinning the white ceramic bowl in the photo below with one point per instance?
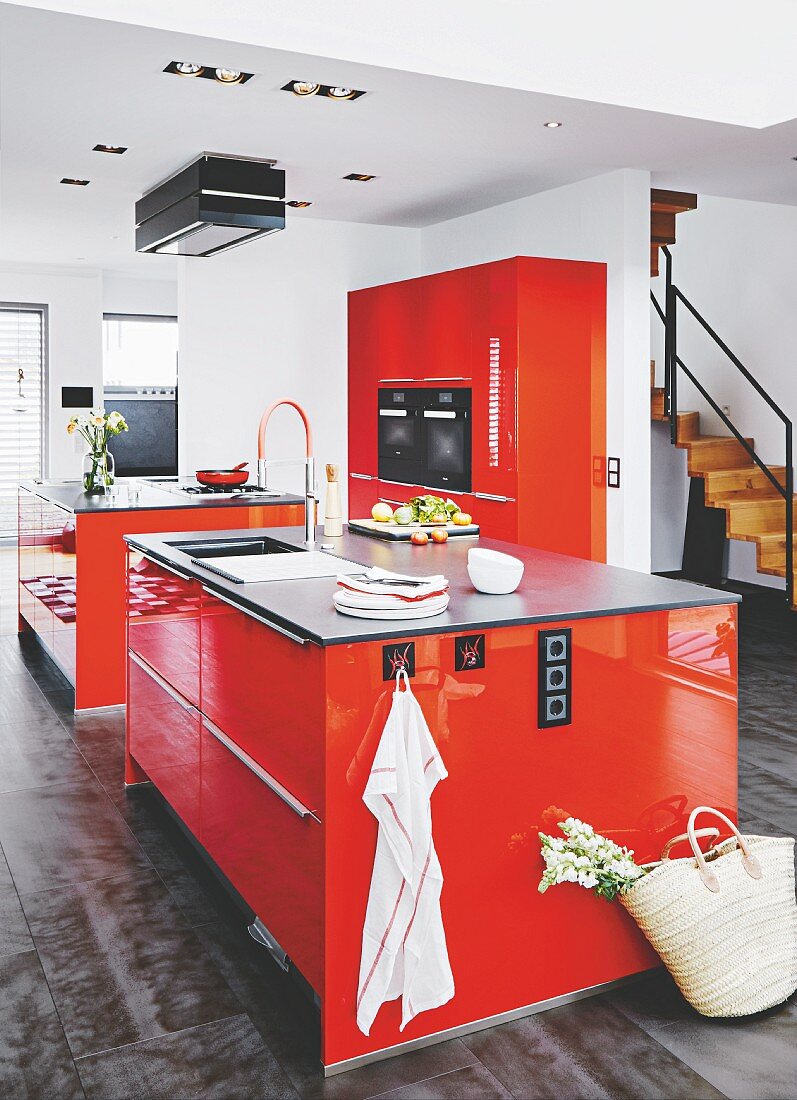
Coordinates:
(493, 572)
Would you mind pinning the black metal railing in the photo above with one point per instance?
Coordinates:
(673, 363)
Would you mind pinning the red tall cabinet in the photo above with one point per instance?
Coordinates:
(528, 335)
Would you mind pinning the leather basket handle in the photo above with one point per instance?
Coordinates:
(749, 861)
(712, 831)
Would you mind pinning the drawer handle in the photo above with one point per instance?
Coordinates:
(273, 784)
(363, 477)
(168, 568)
(258, 618)
(159, 680)
(492, 496)
(387, 500)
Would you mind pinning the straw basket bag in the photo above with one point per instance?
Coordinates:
(723, 922)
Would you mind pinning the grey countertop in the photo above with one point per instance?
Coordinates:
(554, 587)
(70, 496)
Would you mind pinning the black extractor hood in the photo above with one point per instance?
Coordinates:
(216, 203)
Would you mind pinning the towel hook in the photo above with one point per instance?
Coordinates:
(401, 671)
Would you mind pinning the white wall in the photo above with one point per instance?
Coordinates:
(734, 260)
(74, 302)
(270, 320)
(156, 297)
(606, 219)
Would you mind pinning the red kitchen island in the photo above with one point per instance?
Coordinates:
(72, 568)
(255, 709)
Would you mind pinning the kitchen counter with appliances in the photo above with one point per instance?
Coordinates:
(72, 563)
(594, 692)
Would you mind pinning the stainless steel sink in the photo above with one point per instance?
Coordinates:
(234, 548)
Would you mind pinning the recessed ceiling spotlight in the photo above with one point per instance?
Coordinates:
(75, 183)
(208, 72)
(299, 204)
(361, 176)
(302, 87)
(229, 76)
(306, 88)
(552, 125)
(119, 149)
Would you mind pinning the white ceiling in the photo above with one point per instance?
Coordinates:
(722, 60)
(439, 147)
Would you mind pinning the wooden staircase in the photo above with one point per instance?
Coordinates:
(664, 206)
(754, 510)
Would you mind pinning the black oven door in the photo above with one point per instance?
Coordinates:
(447, 440)
(400, 436)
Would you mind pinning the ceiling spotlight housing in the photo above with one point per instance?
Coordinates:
(552, 125)
(361, 177)
(306, 88)
(75, 183)
(220, 75)
(215, 203)
(299, 204)
(118, 149)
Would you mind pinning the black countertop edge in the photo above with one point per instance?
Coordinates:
(334, 628)
(69, 496)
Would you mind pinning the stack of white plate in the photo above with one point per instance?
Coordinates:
(378, 594)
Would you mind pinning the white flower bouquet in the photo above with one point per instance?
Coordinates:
(589, 859)
(97, 428)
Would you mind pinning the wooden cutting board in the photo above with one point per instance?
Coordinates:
(395, 532)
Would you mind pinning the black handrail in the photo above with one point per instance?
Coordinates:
(672, 361)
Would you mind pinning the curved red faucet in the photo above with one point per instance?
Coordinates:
(264, 419)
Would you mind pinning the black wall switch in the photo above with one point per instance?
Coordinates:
(77, 397)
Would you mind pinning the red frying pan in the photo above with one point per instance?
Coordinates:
(236, 476)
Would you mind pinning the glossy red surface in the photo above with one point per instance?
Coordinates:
(47, 583)
(652, 736)
(265, 692)
(529, 336)
(163, 739)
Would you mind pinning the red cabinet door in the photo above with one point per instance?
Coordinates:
(273, 856)
(494, 365)
(364, 336)
(163, 738)
(163, 623)
(444, 328)
(266, 692)
(363, 495)
(42, 615)
(26, 554)
(497, 517)
(64, 605)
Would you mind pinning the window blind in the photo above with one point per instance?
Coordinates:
(21, 418)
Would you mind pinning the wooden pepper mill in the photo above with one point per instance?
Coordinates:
(333, 519)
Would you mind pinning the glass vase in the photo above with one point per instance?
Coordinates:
(98, 471)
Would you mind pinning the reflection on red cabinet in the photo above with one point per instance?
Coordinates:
(273, 857)
(650, 739)
(255, 687)
(163, 623)
(163, 739)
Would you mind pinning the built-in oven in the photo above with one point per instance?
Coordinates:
(400, 435)
(446, 418)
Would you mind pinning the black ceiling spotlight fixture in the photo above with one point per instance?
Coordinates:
(208, 72)
(75, 183)
(306, 88)
(360, 176)
(215, 203)
(118, 149)
(299, 204)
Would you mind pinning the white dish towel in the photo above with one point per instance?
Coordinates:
(404, 951)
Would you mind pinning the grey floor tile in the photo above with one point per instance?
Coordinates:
(60, 763)
(32, 735)
(65, 833)
(122, 963)
(768, 796)
(754, 1058)
(474, 1082)
(588, 1049)
(14, 932)
(226, 1059)
(34, 1056)
(652, 1001)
